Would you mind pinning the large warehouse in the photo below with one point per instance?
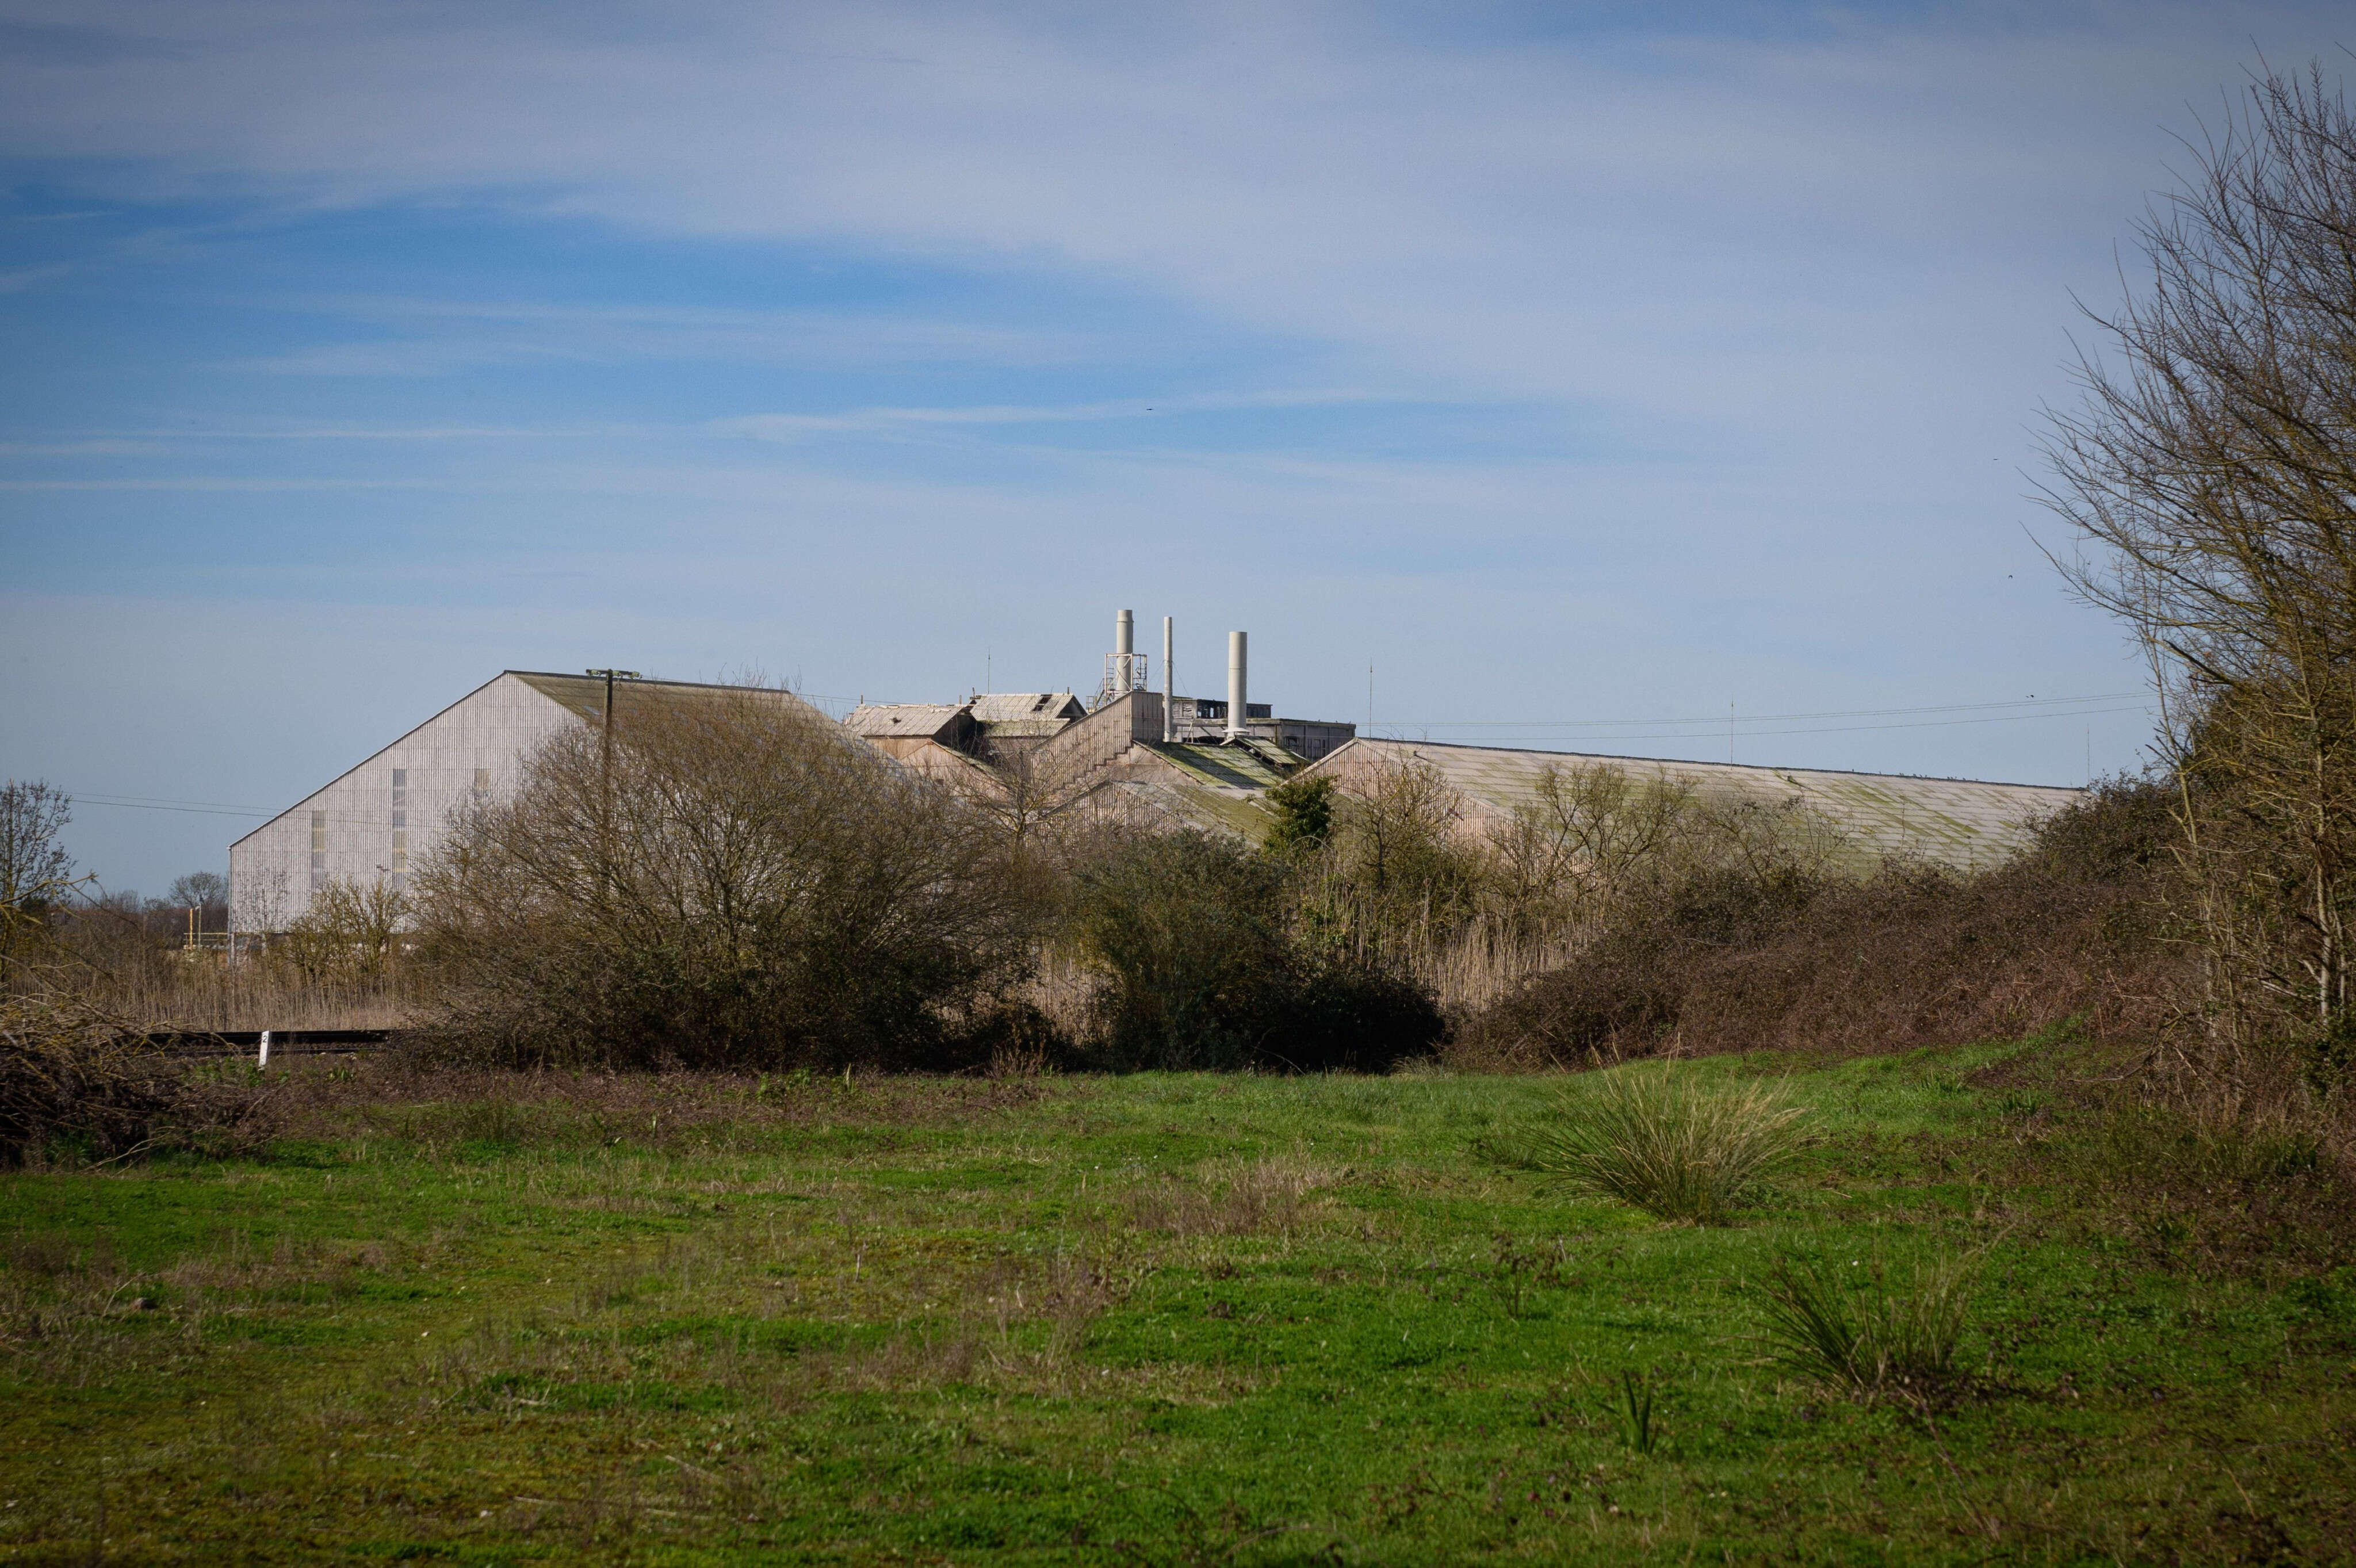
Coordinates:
(373, 821)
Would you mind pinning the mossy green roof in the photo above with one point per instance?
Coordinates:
(1961, 824)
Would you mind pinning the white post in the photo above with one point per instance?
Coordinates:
(1234, 684)
(1169, 688)
(262, 1060)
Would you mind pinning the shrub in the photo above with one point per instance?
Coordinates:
(1339, 1016)
(350, 934)
(1665, 1143)
(73, 1076)
(1304, 815)
(1191, 934)
(1394, 879)
(1861, 1329)
(727, 880)
(1190, 930)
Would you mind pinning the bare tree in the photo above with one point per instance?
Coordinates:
(2212, 466)
(36, 873)
(1395, 877)
(351, 933)
(1588, 836)
(725, 880)
(205, 891)
(1032, 792)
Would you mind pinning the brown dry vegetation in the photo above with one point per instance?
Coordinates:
(1785, 957)
(84, 1086)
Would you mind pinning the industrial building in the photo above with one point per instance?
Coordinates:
(1147, 757)
(379, 818)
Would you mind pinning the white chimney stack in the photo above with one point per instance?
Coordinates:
(1234, 684)
(1169, 688)
(1125, 658)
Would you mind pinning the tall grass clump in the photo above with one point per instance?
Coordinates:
(1863, 1329)
(1667, 1143)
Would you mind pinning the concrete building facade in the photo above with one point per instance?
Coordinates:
(380, 819)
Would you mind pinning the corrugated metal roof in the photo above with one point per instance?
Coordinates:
(1229, 767)
(585, 694)
(1956, 822)
(1013, 707)
(1154, 803)
(897, 721)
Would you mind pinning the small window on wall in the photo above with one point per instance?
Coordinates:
(482, 780)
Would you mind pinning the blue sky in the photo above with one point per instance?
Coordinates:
(1581, 369)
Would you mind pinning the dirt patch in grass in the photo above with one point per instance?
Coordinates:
(1254, 1197)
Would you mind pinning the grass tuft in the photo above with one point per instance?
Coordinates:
(1634, 1411)
(1858, 1328)
(1667, 1143)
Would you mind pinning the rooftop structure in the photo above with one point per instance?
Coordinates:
(898, 728)
(1027, 707)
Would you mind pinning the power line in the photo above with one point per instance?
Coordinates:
(1717, 720)
(1847, 729)
(212, 808)
(138, 804)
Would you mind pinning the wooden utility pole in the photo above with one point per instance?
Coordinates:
(605, 773)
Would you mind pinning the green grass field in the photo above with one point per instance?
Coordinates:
(1151, 1319)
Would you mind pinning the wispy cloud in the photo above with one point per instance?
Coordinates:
(17, 282)
(1546, 208)
(861, 420)
(102, 446)
(440, 337)
(202, 482)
